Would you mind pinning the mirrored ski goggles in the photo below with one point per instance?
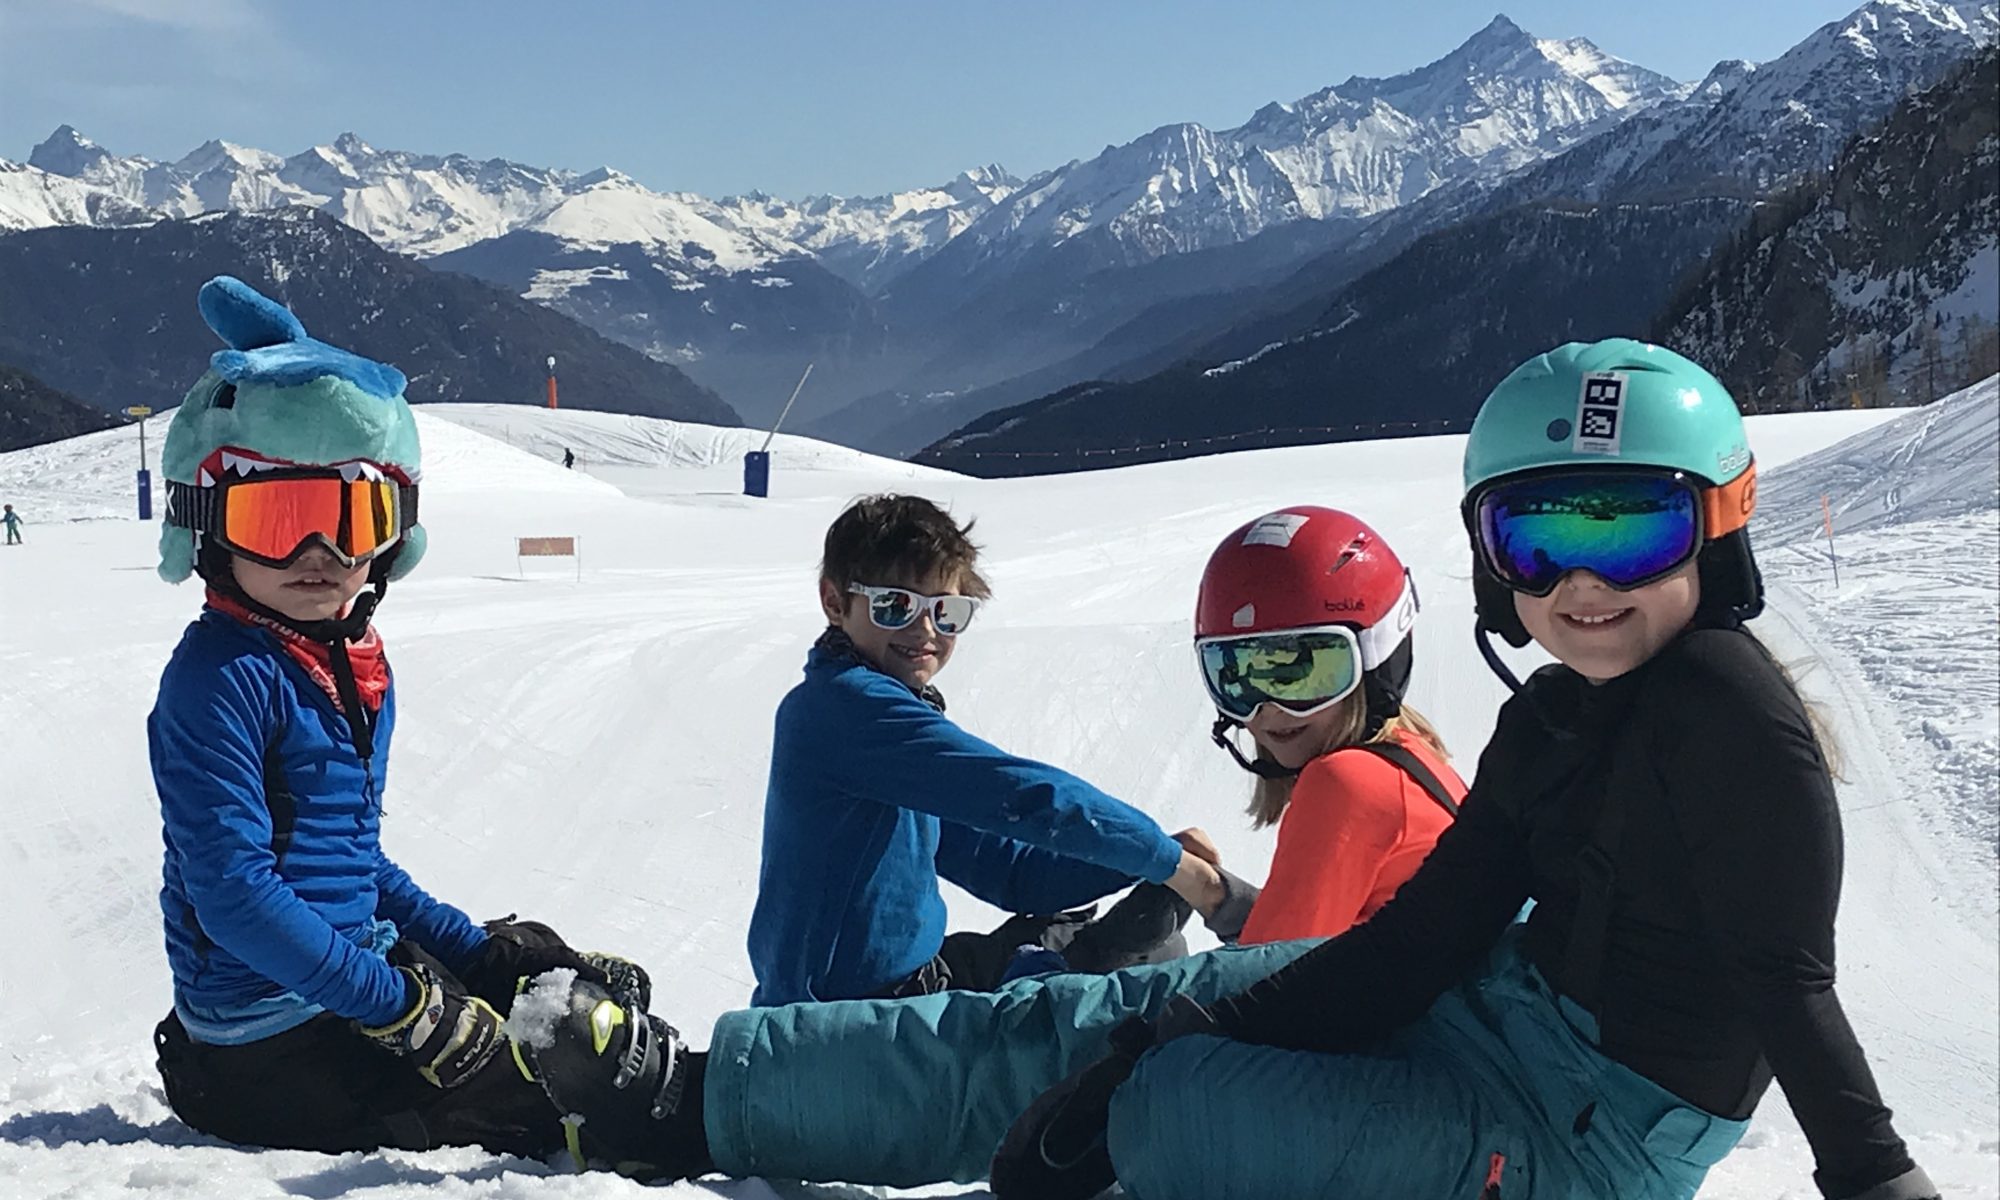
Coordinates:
(1302, 671)
(276, 515)
(898, 608)
(1628, 527)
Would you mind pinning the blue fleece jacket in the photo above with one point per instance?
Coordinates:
(278, 900)
(875, 793)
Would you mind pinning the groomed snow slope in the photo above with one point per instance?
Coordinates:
(593, 753)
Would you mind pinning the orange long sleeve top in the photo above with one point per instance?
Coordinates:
(1357, 827)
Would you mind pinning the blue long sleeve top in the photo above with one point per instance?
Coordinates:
(874, 794)
(277, 898)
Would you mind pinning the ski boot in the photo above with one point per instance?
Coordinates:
(1143, 927)
(628, 1089)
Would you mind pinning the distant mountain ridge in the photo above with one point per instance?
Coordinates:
(1020, 277)
(32, 412)
(1524, 279)
(1880, 279)
(109, 315)
(922, 309)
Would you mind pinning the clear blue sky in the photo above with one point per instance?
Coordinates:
(784, 96)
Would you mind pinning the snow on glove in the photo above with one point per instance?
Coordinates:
(1056, 1150)
(1912, 1184)
(447, 1034)
(1229, 917)
(517, 950)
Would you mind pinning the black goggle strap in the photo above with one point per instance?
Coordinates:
(1256, 766)
(191, 507)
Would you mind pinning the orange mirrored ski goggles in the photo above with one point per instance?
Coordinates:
(276, 515)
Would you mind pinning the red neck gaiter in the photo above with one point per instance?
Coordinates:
(371, 669)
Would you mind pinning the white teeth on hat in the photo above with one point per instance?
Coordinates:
(237, 464)
(241, 467)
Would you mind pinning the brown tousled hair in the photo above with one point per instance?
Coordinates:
(880, 538)
(1269, 797)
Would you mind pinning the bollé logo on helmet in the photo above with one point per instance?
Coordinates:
(1346, 604)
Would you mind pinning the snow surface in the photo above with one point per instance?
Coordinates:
(593, 754)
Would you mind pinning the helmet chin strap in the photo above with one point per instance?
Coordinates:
(1492, 657)
(1261, 768)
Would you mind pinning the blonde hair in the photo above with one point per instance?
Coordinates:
(1269, 797)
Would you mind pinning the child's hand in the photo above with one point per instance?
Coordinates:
(449, 1034)
(1195, 841)
(1198, 882)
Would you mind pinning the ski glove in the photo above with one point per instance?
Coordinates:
(1912, 1184)
(448, 1034)
(517, 950)
(1229, 917)
(1056, 1150)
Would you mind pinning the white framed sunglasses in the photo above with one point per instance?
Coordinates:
(898, 608)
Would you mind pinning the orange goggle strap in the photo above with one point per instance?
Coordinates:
(200, 509)
(1726, 508)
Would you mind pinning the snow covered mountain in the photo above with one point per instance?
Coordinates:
(1881, 278)
(710, 271)
(1589, 243)
(107, 314)
(1760, 127)
(425, 205)
(1496, 103)
(868, 240)
(1501, 100)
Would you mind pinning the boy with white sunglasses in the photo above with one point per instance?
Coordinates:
(875, 794)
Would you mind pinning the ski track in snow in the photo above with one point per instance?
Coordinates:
(593, 753)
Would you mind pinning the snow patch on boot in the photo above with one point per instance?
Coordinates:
(540, 1007)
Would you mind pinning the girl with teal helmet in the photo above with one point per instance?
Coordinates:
(1617, 457)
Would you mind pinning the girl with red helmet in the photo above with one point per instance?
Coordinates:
(1303, 636)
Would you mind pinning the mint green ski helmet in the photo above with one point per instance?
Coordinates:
(1614, 403)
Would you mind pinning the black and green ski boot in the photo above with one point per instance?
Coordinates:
(628, 1089)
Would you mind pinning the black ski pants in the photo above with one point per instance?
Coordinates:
(323, 1086)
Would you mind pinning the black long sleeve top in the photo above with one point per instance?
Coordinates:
(1718, 962)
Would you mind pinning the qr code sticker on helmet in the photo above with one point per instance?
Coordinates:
(1600, 408)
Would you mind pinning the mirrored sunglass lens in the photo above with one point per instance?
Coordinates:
(1225, 686)
(1623, 528)
(951, 614)
(371, 506)
(1291, 670)
(893, 609)
(271, 518)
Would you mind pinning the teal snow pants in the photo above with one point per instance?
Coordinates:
(907, 1092)
(1499, 1083)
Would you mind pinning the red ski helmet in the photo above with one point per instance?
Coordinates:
(1307, 566)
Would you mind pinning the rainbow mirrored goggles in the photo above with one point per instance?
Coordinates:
(271, 513)
(1630, 526)
(1302, 671)
(898, 608)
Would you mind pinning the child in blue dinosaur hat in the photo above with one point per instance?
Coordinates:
(322, 999)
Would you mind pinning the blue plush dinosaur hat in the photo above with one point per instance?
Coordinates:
(277, 397)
